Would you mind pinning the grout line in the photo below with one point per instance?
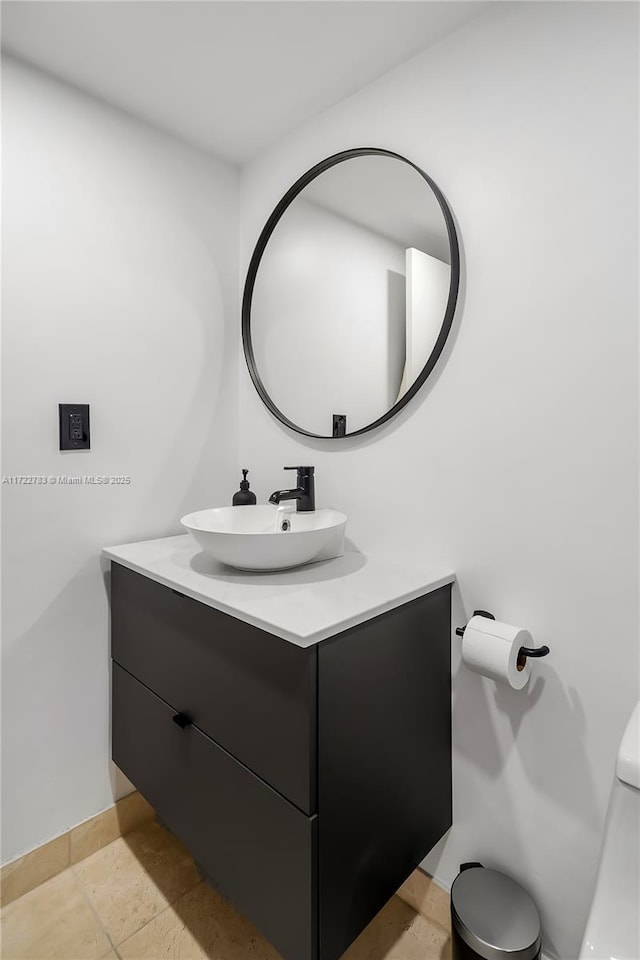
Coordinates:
(113, 945)
(168, 903)
(95, 913)
(68, 834)
(144, 925)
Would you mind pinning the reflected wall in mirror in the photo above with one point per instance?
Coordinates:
(350, 293)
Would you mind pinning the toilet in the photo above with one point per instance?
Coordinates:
(613, 927)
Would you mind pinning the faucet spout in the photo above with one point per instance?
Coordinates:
(279, 495)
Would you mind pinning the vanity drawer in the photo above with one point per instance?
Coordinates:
(256, 847)
(251, 692)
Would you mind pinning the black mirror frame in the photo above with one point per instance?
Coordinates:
(258, 252)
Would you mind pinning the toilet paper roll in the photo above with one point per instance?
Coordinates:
(490, 648)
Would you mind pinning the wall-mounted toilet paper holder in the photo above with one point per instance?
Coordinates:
(523, 652)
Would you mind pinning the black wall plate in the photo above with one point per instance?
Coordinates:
(339, 424)
(74, 426)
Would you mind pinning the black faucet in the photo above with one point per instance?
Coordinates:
(304, 493)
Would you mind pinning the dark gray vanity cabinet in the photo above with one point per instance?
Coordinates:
(308, 782)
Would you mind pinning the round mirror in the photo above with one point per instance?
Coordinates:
(350, 293)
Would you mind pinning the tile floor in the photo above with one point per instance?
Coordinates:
(141, 897)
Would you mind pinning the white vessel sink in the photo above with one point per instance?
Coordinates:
(266, 537)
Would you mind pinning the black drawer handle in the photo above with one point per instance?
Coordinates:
(183, 720)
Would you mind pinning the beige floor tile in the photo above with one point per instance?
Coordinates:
(52, 922)
(431, 935)
(130, 881)
(398, 933)
(34, 868)
(127, 814)
(133, 810)
(422, 893)
(93, 835)
(201, 925)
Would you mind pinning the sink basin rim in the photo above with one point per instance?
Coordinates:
(327, 516)
(259, 547)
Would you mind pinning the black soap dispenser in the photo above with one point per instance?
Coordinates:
(244, 497)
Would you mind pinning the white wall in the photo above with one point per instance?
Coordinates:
(120, 274)
(324, 291)
(517, 465)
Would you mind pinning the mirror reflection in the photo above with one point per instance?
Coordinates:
(351, 294)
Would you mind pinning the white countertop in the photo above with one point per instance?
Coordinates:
(303, 605)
